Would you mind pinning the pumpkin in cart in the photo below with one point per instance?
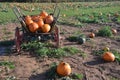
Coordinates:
(108, 56)
(33, 27)
(43, 14)
(49, 19)
(40, 23)
(46, 28)
(28, 20)
(35, 18)
(64, 69)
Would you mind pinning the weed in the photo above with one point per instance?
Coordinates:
(51, 74)
(8, 64)
(117, 55)
(46, 49)
(105, 32)
(98, 52)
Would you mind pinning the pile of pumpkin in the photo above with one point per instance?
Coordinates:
(41, 22)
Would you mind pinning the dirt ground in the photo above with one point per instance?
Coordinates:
(28, 67)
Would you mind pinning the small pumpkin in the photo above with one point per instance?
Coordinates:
(35, 18)
(46, 28)
(91, 35)
(64, 69)
(27, 17)
(114, 31)
(106, 49)
(33, 27)
(28, 20)
(43, 14)
(40, 23)
(108, 56)
(49, 19)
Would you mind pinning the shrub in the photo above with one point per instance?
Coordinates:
(105, 32)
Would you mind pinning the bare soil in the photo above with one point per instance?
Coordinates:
(29, 67)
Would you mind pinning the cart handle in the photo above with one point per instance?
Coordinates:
(19, 15)
(56, 14)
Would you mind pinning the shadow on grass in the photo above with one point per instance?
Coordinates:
(6, 46)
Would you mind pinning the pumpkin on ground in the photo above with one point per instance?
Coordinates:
(46, 28)
(114, 31)
(33, 27)
(108, 56)
(49, 19)
(91, 35)
(64, 69)
(106, 48)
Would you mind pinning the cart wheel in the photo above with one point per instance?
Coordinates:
(17, 39)
(57, 36)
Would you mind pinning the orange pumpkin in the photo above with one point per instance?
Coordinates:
(40, 23)
(33, 27)
(43, 14)
(27, 16)
(49, 19)
(63, 69)
(91, 35)
(28, 20)
(108, 56)
(35, 18)
(46, 28)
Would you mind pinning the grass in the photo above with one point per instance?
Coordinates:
(73, 11)
(8, 64)
(46, 49)
(105, 32)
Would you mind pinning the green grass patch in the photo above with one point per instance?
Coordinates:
(75, 13)
(105, 32)
(8, 64)
(46, 49)
(51, 74)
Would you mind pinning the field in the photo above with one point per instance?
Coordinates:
(38, 60)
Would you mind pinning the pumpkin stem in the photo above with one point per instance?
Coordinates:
(64, 63)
